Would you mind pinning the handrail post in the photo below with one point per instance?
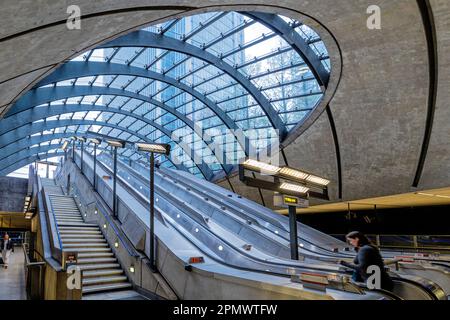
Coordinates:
(152, 212)
(95, 167)
(82, 152)
(115, 183)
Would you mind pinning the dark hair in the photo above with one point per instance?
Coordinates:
(362, 239)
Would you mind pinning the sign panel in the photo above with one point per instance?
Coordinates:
(284, 201)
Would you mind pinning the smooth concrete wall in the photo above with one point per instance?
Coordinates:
(437, 166)
(12, 194)
(379, 107)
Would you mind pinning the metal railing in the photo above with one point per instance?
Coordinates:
(56, 242)
(102, 208)
(34, 276)
(410, 242)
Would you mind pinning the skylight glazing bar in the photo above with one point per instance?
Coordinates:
(116, 51)
(203, 26)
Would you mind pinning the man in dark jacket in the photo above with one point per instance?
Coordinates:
(368, 255)
(6, 246)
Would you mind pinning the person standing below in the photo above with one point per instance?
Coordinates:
(368, 255)
(7, 247)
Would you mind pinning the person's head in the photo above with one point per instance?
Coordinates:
(6, 236)
(357, 239)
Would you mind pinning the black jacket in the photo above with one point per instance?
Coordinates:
(9, 245)
(369, 255)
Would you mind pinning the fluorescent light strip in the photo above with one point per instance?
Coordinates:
(318, 180)
(115, 143)
(294, 173)
(152, 147)
(65, 144)
(263, 167)
(294, 187)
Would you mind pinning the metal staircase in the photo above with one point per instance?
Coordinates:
(101, 270)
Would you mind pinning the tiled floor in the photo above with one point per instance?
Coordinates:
(12, 280)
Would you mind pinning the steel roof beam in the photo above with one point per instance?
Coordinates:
(288, 33)
(40, 96)
(152, 40)
(31, 159)
(31, 128)
(82, 69)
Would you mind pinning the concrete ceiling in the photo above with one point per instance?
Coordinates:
(371, 139)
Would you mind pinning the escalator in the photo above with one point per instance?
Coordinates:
(248, 227)
(207, 236)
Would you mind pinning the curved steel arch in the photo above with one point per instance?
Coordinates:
(24, 162)
(12, 149)
(152, 40)
(34, 114)
(40, 96)
(26, 153)
(300, 45)
(77, 69)
(28, 141)
(29, 129)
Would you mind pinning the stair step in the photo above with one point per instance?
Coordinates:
(98, 266)
(110, 287)
(77, 236)
(81, 261)
(104, 272)
(79, 224)
(80, 232)
(95, 255)
(81, 240)
(85, 245)
(64, 213)
(103, 280)
(85, 228)
(64, 220)
(88, 250)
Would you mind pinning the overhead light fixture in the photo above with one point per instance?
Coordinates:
(260, 166)
(294, 187)
(285, 172)
(81, 139)
(116, 143)
(65, 145)
(161, 148)
(318, 180)
(95, 141)
(293, 173)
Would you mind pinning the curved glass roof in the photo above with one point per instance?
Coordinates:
(215, 86)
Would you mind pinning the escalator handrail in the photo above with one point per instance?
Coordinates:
(329, 254)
